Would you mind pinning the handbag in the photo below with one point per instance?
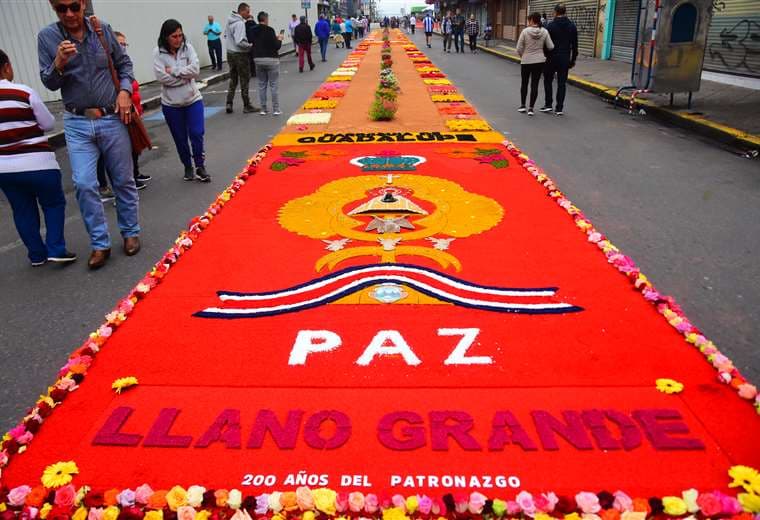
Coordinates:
(138, 135)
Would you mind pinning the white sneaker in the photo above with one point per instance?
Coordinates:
(522, 110)
(263, 112)
(530, 111)
(545, 109)
(277, 113)
(559, 113)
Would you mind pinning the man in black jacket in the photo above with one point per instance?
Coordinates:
(560, 60)
(250, 23)
(302, 37)
(266, 48)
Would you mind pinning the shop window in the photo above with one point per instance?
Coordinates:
(684, 23)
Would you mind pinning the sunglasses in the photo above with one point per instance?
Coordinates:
(74, 8)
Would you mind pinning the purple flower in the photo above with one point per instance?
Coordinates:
(126, 498)
(262, 504)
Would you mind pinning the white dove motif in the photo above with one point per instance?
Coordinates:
(389, 244)
(336, 245)
(441, 244)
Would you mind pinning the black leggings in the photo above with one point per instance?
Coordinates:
(532, 72)
(473, 42)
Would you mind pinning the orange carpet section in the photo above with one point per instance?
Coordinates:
(425, 316)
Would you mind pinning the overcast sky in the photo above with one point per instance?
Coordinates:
(394, 6)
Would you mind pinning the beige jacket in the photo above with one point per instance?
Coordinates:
(530, 45)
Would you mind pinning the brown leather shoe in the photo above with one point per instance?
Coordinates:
(98, 258)
(131, 246)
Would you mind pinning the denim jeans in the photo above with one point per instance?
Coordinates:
(24, 191)
(323, 47)
(268, 72)
(86, 140)
(187, 122)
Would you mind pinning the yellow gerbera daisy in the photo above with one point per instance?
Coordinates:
(746, 477)
(669, 386)
(59, 474)
(123, 383)
(750, 502)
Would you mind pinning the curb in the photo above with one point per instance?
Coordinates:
(58, 139)
(711, 129)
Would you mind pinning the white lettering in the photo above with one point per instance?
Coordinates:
(309, 341)
(459, 356)
(398, 345)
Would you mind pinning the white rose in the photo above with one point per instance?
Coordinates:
(274, 502)
(234, 499)
(195, 495)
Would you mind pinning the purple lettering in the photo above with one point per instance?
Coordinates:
(312, 430)
(226, 429)
(440, 431)
(659, 425)
(571, 430)
(412, 436)
(506, 429)
(284, 436)
(159, 435)
(110, 434)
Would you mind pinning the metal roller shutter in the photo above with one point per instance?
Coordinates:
(624, 30)
(583, 13)
(733, 40)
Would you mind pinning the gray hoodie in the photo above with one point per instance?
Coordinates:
(177, 74)
(530, 45)
(234, 34)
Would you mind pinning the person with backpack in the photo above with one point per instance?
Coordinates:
(560, 60)
(530, 47)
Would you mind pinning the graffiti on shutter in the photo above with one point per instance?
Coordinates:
(733, 41)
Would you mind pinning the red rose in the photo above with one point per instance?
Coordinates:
(59, 513)
(131, 513)
(32, 426)
(58, 394)
(11, 446)
(93, 499)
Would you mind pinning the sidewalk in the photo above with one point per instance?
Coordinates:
(728, 113)
(151, 95)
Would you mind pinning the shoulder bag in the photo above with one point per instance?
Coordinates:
(138, 135)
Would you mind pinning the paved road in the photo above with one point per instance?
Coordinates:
(686, 210)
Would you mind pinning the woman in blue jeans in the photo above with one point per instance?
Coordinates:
(29, 172)
(176, 67)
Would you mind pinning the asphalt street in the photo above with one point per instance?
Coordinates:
(685, 209)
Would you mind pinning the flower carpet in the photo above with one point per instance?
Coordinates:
(390, 319)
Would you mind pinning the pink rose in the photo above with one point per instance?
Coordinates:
(126, 498)
(65, 496)
(513, 507)
(143, 493)
(355, 502)
(95, 513)
(425, 504)
(438, 507)
(747, 391)
(461, 503)
(477, 502)
(304, 498)
(399, 501)
(588, 502)
(709, 504)
(371, 503)
(729, 505)
(341, 502)
(186, 513)
(30, 513)
(622, 502)
(17, 495)
(525, 503)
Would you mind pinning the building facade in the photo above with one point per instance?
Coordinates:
(140, 21)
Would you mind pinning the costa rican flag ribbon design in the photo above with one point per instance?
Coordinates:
(337, 285)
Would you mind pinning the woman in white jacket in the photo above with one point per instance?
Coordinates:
(176, 67)
(530, 47)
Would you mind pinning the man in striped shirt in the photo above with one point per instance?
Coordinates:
(427, 24)
(29, 172)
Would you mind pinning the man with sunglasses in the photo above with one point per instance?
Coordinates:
(71, 58)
